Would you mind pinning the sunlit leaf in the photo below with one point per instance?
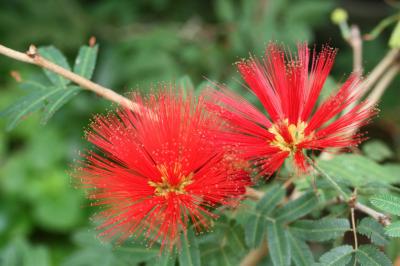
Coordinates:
(387, 202)
(377, 150)
(393, 229)
(86, 61)
(356, 169)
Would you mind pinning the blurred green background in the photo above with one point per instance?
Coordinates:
(44, 220)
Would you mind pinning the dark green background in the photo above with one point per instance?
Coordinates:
(141, 43)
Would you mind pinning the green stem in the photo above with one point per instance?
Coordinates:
(330, 179)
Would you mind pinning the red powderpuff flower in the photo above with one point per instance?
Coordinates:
(288, 87)
(156, 170)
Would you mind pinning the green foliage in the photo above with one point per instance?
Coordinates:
(189, 254)
(320, 230)
(393, 229)
(226, 246)
(21, 253)
(338, 256)
(373, 230)
(369, 255)
(355, 169)
(86, 61)
(50, 98)
(256, 222)
(297, 208)
(394, 41)
(387, 202)
(278, 244)
(91, 251)
(300, 251)
(377, 150)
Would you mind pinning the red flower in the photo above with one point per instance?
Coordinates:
(288, 88)
(156, 171)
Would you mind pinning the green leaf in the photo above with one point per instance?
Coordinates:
(377, 150)
(301, 253)
(393, 229)
(28, 104)
(393, 169)
(189, 253)
(369, 255)
(256, 222)
(394, 41)
(255, 230)
(338, 256)
(58, 212)
(387, 202)
(225, 246)
(271, 199)
(278, 244)
(165, 259)
(50, 99)
(373, 230)
(356, 169)
(54, 55)
(58, 100)
(130, 252)
(91, 251)
(20, 253)
(297, 208)
(86, 61)
(320, 230)
(225, 10)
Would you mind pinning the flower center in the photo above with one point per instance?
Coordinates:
(288, 136)
(167, 185)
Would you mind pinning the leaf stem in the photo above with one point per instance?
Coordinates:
(330, 179)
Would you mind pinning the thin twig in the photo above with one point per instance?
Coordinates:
(352, 202)
(353, 226)
(255, 255)
(376, 94)
(356, 43)
(380, 68)
(380, 217)
(33, 57)
(254, 194)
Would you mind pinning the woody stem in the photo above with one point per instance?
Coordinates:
(32, 56)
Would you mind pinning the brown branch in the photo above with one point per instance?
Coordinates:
(380, 217)
(380, 68)
(254, 194)
(355, 42)
(255, 255)
(376, 94)
(33, 57)
(351, 203)
(353, 226)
